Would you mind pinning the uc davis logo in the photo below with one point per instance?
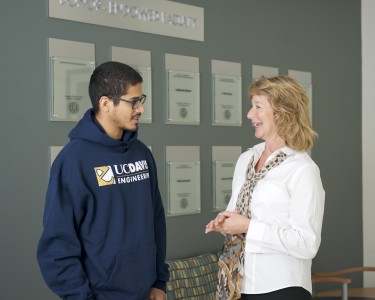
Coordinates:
(104, 175)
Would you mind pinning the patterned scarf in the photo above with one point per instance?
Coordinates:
(231, 261)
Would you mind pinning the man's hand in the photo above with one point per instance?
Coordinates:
(156, 294)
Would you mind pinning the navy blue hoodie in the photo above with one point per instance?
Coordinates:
(104, 231)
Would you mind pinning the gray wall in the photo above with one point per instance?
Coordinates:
(321, 37)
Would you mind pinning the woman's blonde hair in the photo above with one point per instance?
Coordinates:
(290, 105)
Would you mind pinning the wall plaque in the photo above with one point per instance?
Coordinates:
(69, 83)
(183, 97)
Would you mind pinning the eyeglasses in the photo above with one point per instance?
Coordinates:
(134, 101)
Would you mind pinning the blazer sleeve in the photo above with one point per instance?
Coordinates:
(301, 236)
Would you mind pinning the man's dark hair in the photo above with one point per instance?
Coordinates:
(111, 79)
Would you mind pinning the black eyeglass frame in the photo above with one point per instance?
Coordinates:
(134, 102)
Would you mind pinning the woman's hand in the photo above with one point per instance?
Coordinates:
(214, 225)
(228, 222)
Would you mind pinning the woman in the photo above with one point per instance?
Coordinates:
(273, 222)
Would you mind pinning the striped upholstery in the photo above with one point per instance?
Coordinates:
(193, 278)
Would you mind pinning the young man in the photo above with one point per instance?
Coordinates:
(104, 232)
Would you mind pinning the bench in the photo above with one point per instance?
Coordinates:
(193, 278)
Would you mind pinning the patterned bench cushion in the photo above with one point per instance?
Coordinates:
(193, 278)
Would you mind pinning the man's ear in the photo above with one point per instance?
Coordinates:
(104, 104)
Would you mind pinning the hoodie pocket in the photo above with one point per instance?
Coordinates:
(134, 271)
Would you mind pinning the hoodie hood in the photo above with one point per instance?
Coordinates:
(89, 129)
